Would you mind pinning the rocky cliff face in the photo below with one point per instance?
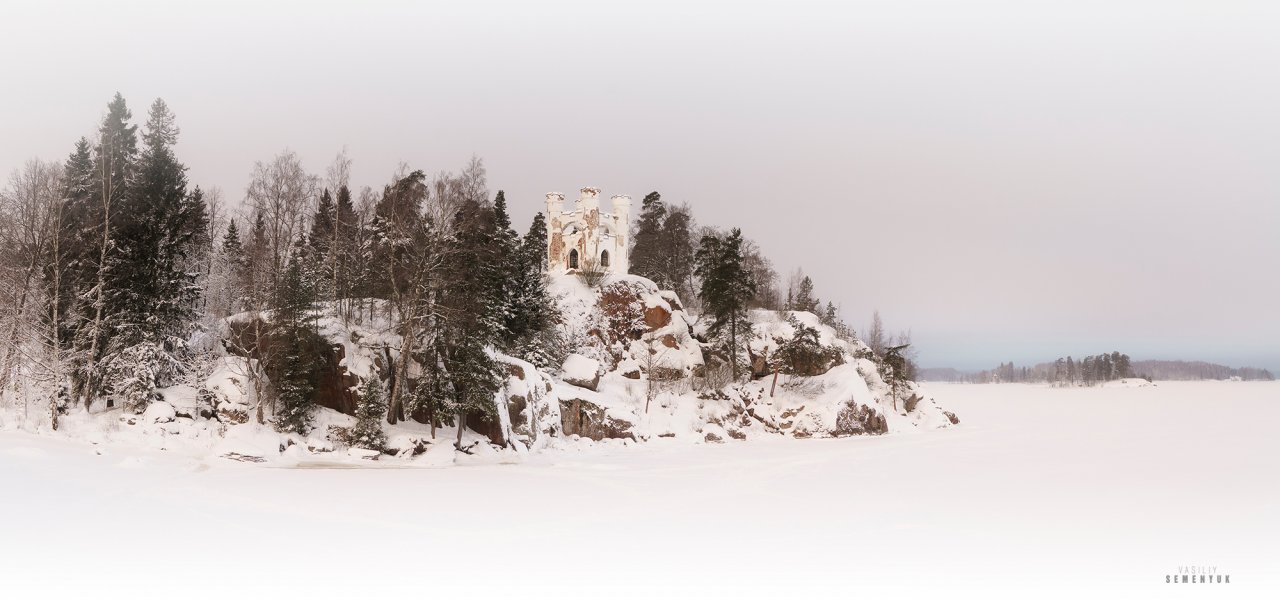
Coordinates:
(651, 381)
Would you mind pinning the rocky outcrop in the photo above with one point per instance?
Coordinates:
(627, 322)
(586, 419)
(336, 387)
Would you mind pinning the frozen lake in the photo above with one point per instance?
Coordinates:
(1061, 491)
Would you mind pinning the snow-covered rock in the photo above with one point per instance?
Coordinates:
(364, 454)
(229, 390)
(159, 411)
(581, 371)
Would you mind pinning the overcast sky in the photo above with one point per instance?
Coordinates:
(1010, 180)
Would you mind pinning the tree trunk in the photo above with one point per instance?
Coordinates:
(87, 385)
(733, 346)
(462, 423)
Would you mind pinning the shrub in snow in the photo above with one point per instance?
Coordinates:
(623, 313)
(592, 273)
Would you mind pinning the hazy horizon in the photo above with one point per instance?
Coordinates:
(1010, 182)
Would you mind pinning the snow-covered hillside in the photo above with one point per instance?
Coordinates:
(634, 371)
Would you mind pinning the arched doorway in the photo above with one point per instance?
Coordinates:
(573, 258)
(604, 259)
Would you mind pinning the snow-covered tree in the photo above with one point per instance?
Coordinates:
(727, 287)
(370, 407)
(151, 293)
(295, 356)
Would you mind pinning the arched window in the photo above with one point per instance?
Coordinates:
(573, 258)
(604, 258)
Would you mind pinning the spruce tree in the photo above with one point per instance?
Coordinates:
(677, 254)
(471, 306)
(647, 252)
(345, 261)
(71, 268)
(295, 350)
(151, 295)
(321, 244)
(505, 254)
(233, 260)
(532, 312)
(257, 263)
(114, 161)
(370, 407)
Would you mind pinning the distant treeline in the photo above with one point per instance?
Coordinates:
(1067, 371)
(1182, 370)
(1095, 369)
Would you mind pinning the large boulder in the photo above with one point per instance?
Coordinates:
(581, 371)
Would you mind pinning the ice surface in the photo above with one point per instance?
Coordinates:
(1039, 492)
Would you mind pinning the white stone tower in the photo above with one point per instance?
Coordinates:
(622, 226)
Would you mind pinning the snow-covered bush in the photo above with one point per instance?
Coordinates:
(133, 375)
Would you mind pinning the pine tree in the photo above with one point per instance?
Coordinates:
(803, 353)
(646, 255)
(727, 287)
(894, 370)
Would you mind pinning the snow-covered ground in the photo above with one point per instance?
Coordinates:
(1038, 492)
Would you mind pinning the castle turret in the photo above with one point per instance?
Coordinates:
(622, 223)
(555, 206)
(589, 199)
(555, 242)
